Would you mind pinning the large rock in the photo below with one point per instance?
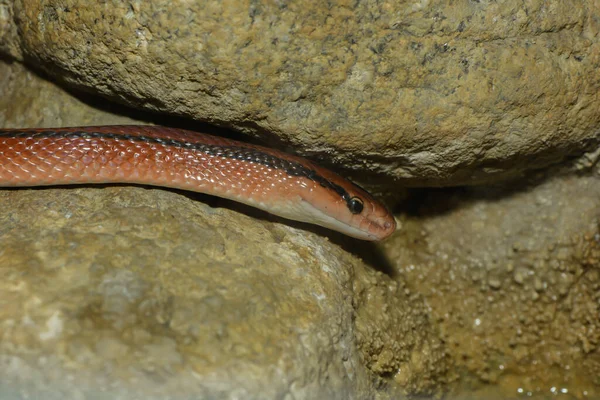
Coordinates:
(512, 275)
(129, 292)
(438, 92)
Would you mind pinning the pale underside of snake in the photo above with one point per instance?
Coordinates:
(274, 181)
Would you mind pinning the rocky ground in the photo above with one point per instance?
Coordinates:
(489, 288)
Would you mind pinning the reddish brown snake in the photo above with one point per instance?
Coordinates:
(279, 183)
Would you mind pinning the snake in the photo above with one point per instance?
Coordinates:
(279, 183)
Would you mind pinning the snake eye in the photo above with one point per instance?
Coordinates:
(355, 205)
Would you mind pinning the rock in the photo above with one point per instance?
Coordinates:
(143, 293)
(124, 292)
(26, 100)
(441, 93)
(135, 289)
(539, 328)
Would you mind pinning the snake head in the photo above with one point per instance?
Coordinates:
(336, 203)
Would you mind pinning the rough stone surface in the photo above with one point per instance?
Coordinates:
(128, 292)
(26, 100)
(115, 289)
(438, 92)
(138, 291)
(512, 275)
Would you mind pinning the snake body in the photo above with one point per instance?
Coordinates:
(282, 184)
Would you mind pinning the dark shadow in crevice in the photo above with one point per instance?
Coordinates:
(435, 202)
(7, 59)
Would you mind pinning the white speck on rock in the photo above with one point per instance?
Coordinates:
(55, 326)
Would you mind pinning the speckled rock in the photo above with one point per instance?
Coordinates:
(140, 293)
(129, 290)
(512, 274)
(26, 100)
(134, 293)
(438, 92)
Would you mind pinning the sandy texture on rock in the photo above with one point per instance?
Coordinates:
(438, 92)
(512, 274)
(128, 292)
(26, 100)
(144, 292)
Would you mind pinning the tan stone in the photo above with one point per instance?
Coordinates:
(538, 327)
